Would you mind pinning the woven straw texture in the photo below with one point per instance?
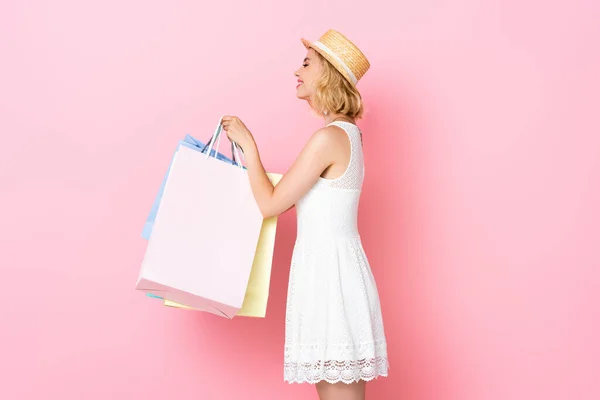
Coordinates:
(347, 51)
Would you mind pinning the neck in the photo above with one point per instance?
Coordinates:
(329, 118)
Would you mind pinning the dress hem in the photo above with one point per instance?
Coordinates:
(292, 381)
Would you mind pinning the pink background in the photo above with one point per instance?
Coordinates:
(480, 211)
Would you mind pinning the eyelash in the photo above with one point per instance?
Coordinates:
(305, 65)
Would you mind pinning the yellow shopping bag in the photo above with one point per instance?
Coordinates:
(257, 291)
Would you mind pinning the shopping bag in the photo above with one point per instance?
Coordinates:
(257, 291)
(191, 143)
(197, 256)
(194, 144)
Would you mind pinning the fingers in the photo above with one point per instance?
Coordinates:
(227, 120)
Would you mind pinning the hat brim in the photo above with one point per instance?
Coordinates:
(333, 62)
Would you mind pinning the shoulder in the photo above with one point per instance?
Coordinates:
(327, 137)
(325, 144)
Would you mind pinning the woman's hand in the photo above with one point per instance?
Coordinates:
(237, 131)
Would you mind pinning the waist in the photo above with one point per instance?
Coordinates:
(326, 228)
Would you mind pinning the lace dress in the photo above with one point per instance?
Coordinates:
(334, 328)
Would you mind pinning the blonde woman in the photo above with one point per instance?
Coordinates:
(334, 334)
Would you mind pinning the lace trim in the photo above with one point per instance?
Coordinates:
(336, 371)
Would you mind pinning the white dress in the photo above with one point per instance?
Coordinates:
(333, 328)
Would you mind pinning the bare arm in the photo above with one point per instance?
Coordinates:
(304, 172)
(316, 157)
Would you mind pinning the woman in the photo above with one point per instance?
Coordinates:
(334, 330)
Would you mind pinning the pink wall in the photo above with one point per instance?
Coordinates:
(480, 212)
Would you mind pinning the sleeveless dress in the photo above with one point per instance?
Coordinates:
(334, 327)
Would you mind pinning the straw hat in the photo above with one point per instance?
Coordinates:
(342, 54)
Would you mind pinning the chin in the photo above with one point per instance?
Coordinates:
(301, 95)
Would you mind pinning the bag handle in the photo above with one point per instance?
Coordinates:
(216, 137)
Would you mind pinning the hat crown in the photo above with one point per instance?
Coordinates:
(347, 51)
(343, 54)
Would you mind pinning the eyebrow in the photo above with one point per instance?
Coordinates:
(307, 59)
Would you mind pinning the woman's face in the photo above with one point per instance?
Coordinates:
(307, 75)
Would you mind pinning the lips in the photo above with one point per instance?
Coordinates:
(299, 83)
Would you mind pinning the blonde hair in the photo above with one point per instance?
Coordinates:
(334, 94)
